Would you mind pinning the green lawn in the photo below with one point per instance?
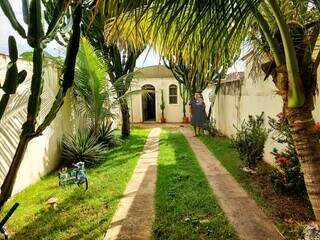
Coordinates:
(185, 205)
(80, 214)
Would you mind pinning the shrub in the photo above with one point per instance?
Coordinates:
(288, 177)
(210, 126)
(250, 139)
(81, 146)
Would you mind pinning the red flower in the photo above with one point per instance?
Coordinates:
(283, 160)
(317, 126)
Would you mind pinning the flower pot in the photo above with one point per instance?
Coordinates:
(185, 120)
(163, 120)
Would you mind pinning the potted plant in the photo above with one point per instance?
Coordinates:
(162, 107)
(185, 97)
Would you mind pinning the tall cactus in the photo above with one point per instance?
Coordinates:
(37, 39)
(13, 77)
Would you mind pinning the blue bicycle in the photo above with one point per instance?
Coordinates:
(75, 175)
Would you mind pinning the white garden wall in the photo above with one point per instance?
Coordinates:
(250, 96)
(43, 152)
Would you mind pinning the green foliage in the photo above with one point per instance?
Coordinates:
(13, 78)
(189, 75)
(91, 88)
(82, 146)
(250, 139)
(210, 126)
(288, 177)
(106, 135)
(184, 94)
(8, 11)
(162, 105)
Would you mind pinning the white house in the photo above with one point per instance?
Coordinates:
(147, 109)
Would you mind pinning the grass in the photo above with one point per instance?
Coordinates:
(185, 205)
(80, 214)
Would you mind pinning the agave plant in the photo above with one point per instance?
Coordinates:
(106, 135)
(82, 146)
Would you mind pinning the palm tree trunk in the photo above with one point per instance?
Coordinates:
(304, 135)
(125, 129)
(7, 186)
(306, 141)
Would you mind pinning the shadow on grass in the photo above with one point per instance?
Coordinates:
(80, 214)
(55, 224)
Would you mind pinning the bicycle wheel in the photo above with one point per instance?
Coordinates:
(81, 180)
(83, 183)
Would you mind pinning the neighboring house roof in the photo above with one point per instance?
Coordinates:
(156, 71)
(235, 76)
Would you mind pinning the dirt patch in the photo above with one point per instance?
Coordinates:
(291, 210)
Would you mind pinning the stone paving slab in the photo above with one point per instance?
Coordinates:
(135, 214)
(244, 214)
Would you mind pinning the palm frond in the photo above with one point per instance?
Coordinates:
(90, 83)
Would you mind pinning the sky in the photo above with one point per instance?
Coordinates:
(148, 58)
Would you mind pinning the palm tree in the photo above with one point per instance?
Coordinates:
(90, 86)
(121, 64)
(215, 31)
(95, 98)
(120, 59)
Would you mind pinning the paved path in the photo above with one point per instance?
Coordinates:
(134, 217)
(247, 218)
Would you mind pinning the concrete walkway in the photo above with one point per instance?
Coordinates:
(247, 218)
(135, 215)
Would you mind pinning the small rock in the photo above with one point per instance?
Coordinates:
(249, 170)
(203, 221)
(52, 202)
(311, 232)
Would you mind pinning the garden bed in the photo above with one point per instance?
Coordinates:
(290, 212)
(79, 214)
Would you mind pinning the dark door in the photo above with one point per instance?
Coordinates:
(149, 104)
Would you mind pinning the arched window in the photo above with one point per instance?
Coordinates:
(173, 94)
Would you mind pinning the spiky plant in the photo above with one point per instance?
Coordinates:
(106, 135)
(162, 106)
(82, 146)
(13, 78)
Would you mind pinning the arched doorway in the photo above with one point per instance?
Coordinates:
(149, 104)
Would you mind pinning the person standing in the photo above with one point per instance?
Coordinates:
(198, 113)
